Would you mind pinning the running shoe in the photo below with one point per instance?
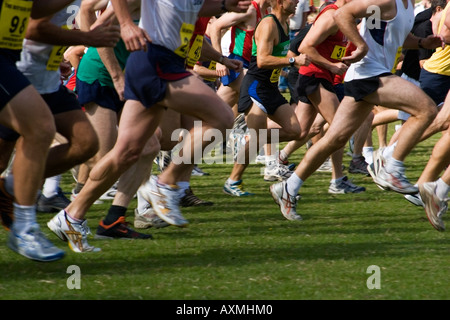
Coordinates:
(6, 206)
(375, 167)
(190, 199)
(275, 171)
(286, 202)
(359, 165)
(434, 207)
(110, 193)
(34, 245)
(326, 166)
(165, 201)
(148, 219)
(395, 181)
(415, 199)
(344, 186)
(118, 230)
(199, 172)
(55, 203)
(163, 159)
(74, 195)
(74, 233)
(236, 189)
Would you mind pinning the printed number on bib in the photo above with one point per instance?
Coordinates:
(275, 75)
(397, 59)
(195, 51)
(56, 56)
(14, 18)
(186, 32)
(338, 52)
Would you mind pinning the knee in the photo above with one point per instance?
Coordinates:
(152, 148)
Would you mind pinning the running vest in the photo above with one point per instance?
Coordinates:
(385, 44)
(170, 24)
(241, 40)
(439, 62)
(39, 62)
(14, 17)
(332, 48)
(279, 50)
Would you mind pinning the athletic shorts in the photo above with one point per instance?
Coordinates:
(307, 85)
(265, 93)
(226, 80)
(147, 74)
(104, 96)
(60, 101)
(435, 85)
(360, 88)
(12, 81)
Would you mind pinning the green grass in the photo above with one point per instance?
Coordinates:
(245, 249)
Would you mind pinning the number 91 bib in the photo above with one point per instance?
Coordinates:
(14, 17)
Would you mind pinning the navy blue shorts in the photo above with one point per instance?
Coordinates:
(307, 85)
(360, 88)
(147, 74)
(435, 85)
(104, 96)
(12, 81)
(226, 80)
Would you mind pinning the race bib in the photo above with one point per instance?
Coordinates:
(14, 18)
(186, 32)
(56, 56)
(195, 51)
(275, 76)
(338, 52)
(398, 55)
(212, 66)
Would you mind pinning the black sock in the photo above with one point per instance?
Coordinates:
(114, 213)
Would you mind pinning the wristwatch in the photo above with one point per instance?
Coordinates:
(292, 61)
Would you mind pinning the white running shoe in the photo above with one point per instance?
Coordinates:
(33, 245)
(165, 201)
(415, 199)
(74, 233)
(275, 171)
(148, 219)
(434, 207)
(286, 202)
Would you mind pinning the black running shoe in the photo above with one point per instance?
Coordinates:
(190, 199)
(119, 230)
(53, 204)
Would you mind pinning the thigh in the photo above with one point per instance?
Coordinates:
(286, 118)
(325, 101)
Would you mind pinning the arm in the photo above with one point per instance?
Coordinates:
(209, 53)
(266, 36)
(134, 37)
(48, 7)
(345, 19)
(430, 42)
(43, 30)
(87, 12)
(73, 55)
(214, 7)
(320, 31)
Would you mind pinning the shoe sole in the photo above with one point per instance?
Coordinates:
(57, 230)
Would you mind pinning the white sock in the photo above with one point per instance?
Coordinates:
(336, 181)
(393, 165)
(24, 217)
(294, 184)
(142, 204)
(51, 186)
(442, 189)
(283, 156)
(368, 154)
(389, 151)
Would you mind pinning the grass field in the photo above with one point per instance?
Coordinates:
(244, 249)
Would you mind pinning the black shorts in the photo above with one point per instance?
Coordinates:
(360, 88)
(265, 93)
(60, 101)
(12, 81)
(307, 85)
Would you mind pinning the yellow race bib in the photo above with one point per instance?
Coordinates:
(186, 32)
(338, 52)
(397, 59)
(275, 75)
(14, 18)
(195, 52)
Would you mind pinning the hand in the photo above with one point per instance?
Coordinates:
(104, 35)
(302, 60)
(433, 42)
(339, 68)
(237, 5)
(233, 64)
(356, 55)
(134, 37)
(221, 70)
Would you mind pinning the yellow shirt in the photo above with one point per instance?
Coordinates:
(439, 62)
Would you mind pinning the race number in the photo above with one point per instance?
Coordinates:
(14, 18)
